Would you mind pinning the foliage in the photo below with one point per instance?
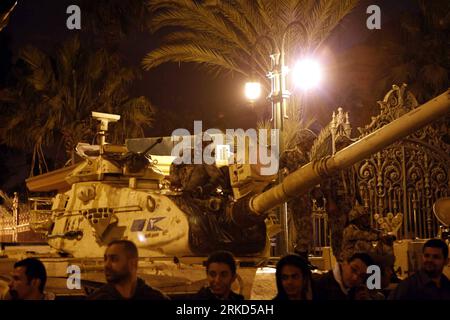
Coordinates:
(55, 96)
(234, 36)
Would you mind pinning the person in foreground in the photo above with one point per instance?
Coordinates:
(346, 281)
(121, 265)
(293, 277)
(429, 283)
(28, 281)
(220, 273)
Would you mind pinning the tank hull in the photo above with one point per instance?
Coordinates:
(92, 214)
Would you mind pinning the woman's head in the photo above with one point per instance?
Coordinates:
(293, 277)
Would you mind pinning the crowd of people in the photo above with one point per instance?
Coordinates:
(294, 279)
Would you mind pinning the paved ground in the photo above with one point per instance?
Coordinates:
(264, 286)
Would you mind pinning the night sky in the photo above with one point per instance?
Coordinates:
(176, 89)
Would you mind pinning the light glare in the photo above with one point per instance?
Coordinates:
(307, 74)
(252, 90)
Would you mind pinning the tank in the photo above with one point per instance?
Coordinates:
(180, 211)
(126, 192)
(123, 192)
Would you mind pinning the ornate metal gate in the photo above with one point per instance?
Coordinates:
(410, 175)
(405, 178)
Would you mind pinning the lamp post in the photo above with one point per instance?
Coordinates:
(15, 210)
(279, 97)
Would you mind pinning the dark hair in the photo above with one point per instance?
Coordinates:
(296, 261)
(437, 243)
(364, 257)
(129, 246)
(34, 269)
(222, 257)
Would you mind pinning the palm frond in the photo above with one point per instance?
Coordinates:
(322, 145)
(229, 30)
(55, 98)
(188, 53)
(37, 61)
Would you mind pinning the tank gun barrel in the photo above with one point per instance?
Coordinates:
(306, 177)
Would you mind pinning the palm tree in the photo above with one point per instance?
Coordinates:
(222, 36)
(226, 36)
(53, 102)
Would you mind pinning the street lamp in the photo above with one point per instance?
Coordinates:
(252, 91)
(306, 74)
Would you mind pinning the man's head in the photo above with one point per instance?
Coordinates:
(435, 257)
(293, 277)
(28, 279)
(121, 261)
(221, 273)
(354, 270)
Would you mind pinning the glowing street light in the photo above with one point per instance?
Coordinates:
(252, 90)
(307, 74)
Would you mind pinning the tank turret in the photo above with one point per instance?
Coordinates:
(129, 192)
(126, 192)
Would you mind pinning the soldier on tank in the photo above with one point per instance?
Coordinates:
(359, 236)
(198, 180)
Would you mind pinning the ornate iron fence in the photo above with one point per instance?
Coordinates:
(407, 177)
